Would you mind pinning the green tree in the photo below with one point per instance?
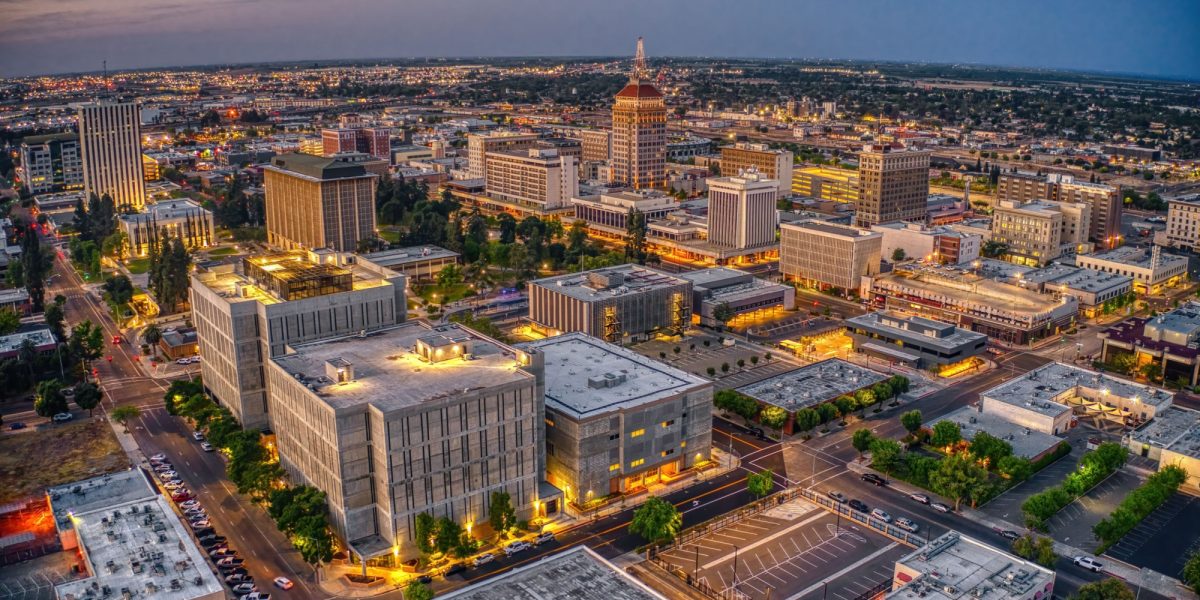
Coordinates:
(1036, 548)
(827, 411)
(1016, 468)
(125, 414)
(723, 313)
(956, 476)
(773, 416)
(945, 433)
(450, 275)
(993, 249)
(861, 440)
(885, 454)
(87, 396)
(898, 255)
(501, 514)
(415, 590)
(1105, 589)
(806, 418)
(119, 290)
(989, 448)
(152, 334)
(1191, 572)
(48, 399)
(425, 533)
(9, 321)
(911, 421)
(656, 521)
(56, 317)
(760, 484)
(449, 534)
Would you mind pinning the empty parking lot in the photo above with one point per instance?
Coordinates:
(1165, 539)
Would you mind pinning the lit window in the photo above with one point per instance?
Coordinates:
(668, 452)
(683, 444)
(614, 467)
(637, 432)
(637, 463)
(668, 423)
(549, 423)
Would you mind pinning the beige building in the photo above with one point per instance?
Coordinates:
(1032, 231)
(110, 144)
(825, 255)
(180, 218)
(1172, 438)
(826, 183)
(1152, 270)
(639, 132)
(893, 185)
(597, 145)
(409, 420)
(741, 210)
(1183, 224)
(772, 164)
(249, 311)
(617, 304)
(479, 145)
(1104, 200)
(314, 202)
(536, 178)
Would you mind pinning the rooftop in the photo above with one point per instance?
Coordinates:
(635, 89)
(610, 282)
(389, 374)
(165, 210)
(812, 385)
(280, 277)
(962, 286)
(1042, 389)
(97, 493)
(954, 567)
(1025, 442)
(586, 377)
(828, 228)
(1176, 429)
(714, 276)
(578, 573)
(403, 256)
(926, 331)
(1076, 278)
(1175, 332)
(35, 140)
(1136, 257)
(317, 167)
(42, 337)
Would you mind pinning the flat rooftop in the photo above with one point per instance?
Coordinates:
(828, 228)
(713, 275)
(229, 279)
(1078, 278)
(404, 256)
(1025, 442)
(610, 282)
(1176, 429)
(40, 337)
(954, 567)
(586, 377)
(578, 573)
(390, 375)
(925, 331)
(98, 493)
(966, 288)
(1041, 389)
(811, 385)
(165, 210)
(1137, 257)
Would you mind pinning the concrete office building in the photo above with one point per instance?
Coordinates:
(775, 165)
(578, 573)
(825, 255)
(826, 183)
(246, 312)
(956, 567)
(607, 213)
(110, 143)
(939, 244)
(1151, 270)
(1183, 224)
(639, 131)
(913, 341)
(617, 421)
(617, 304)
(742, 292)
(181, 218)
(893, 185)
(373, 141)
(1105, 201)
(741, 210)
(417, 263)
(51, 163)
(408, 420)
(537, 178)
(596, 145)
(1170, 340)
(315, 202)
(1038, 232)
(479, 145)
(1091, 288)
(1172, 438)
(1046, 398)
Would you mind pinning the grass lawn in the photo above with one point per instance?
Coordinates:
(31, 461)
(225, 251)
(391, 236)
(138, 266)
(445, 294)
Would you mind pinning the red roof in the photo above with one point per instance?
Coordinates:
(639, 90)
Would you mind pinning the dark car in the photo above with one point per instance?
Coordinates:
(17, 425)
(1008, 534)
(455, 569)
(425, 579)
(859, 505)
(212, 540)
(873, 478)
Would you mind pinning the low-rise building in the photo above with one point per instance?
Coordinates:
(744, 294)
(1183, 223)
(618, 422)
(826, 183)
(1026, 443)
(824, 255)
(955, 567)
(179, 343)
(616, 304)
(1172, 438)
(914, 341)
(1170, 340)
(16, 300)
(181, 218)
(417, 263)
(578, 573)
(1093, 289)
(1045, 399)
(1151, 270)
(41, 337)
(811, 385)
(939, 244)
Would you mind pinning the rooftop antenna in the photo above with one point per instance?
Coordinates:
(639, 61)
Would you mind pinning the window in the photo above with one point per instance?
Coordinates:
(637, 432)
(683, 444)
(614, 436)
(549, 423)
(637, 463)
(668, 423)
(668, 452)
(614, 467)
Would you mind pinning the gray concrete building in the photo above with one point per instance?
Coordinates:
(417, 263)
(744, 293)
(408, 420)
(618, 422)
(824, 255)
(248, 311)
(578, 573)
(914, 341)
(617, 304)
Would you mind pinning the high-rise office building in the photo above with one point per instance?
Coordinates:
(1105, 200)
(893, 185)
(741, 210)
(639, 131)
(110, 143)
(315, 202)
(51, 163)
(774, 164)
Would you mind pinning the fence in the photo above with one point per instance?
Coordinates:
(877, 525)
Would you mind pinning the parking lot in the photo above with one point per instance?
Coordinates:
(793, 550)
(698, 360)
(1073, 524)
(1165, 539)
(1007, 506)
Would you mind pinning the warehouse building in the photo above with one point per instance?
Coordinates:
(1172, 438)
(913, 341)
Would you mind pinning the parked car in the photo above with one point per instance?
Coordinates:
(922, 498)
(283, 583)
(243, 588)
(225, 551)
(483, 559)
(425, 579)
(907, 524)
(1007, 534)
(207, 447)
(836, 496)
(256, 596)
(16, 426)
(544, 537)
(173, 484)
(201, 524)
(158, 457)
(180, 496)
(190, 504)
(515, 547)
(938, 506)
(873, 478)
(454, 569)
(62, 417)
(196, 435)
(212, 539)
(881, 514)
(168, 474)
(859, 505)
(1088, 563)
(231, 561)
(182, 361)
(239, 578)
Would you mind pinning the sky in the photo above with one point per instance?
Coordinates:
(1152, 37)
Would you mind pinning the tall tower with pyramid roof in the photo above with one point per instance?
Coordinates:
(639, 130)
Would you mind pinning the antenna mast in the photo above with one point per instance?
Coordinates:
(639, 61)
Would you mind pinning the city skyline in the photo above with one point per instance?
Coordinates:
(76, 36)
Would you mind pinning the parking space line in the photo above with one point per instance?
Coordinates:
(773, 536)
(848, 569)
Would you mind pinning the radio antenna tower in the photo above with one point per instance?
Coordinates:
(639, 61)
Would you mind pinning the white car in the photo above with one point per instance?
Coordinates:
(62, 417)
(515, 547)
(173, 485)
(207, 447)
(191, 504)
(196, 435)
(167, 475)
(882, 515)
(158, 457)
(1088, 563)
(201, 524)
(907, 525)
(244, 588)
(483, 559)
(283, 583)
(182, 361)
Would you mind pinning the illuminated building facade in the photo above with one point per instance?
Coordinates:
(639, 131)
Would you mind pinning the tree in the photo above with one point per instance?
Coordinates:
(125, 414)
(508, 228)
(805, 419)
(87, 396)
(48, 400)
(827, 411)
(761, 484)
(993, 249)
(911, 421)
(955, 477)
(723, 313)
(114, 245)
(635, 236)
(656, 520)
(773, 416)
(1016, 468)
(425, 532)
(86, 341)
(9, 321)
(989, 448)
(35, 263)
(945, 433)
(119, 290)
(450, 275)
(1191, 571)
(864, 398)
(1036, 548)
(861, 440)
(152, 334)
(1105, 589)
(501, 514)
(885, 454)
(415, 590)
(448, 534)
(898, 255)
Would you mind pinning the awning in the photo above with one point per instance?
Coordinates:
(891, 351)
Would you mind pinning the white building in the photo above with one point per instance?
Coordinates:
(956, 567)
(1183, 223)
(1151, 270)
(741, 210)
(1172, 438)
(537, 178)
(935, 244)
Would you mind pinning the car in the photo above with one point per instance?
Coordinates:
(207, 447)
(158, 457)
(922, 498)
(243, 588)
(284, 583)
(174, 484)
(544, 537)
(938, 506)
(1088, 563)
(168, 474)
(190, 504)
(16, 426)
(239, 578)
(256, 596)
(181, 495)
(163, 467)
(194, 359)
(873, 478)
(195, 514)
(222, 551)
(907, 525)
(881, 514)
(62, 417)
(196, 435)
(515, 547)
(1007, 534)
(211, 540)
(116, 339)
(67, 392)
(859, 505)
(425, 579)
(836, 496)
(454, 569)
(182, 361)
(231, 561)
(483, 559)
(201, 524)
(204, 531)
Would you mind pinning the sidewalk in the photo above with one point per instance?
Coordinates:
(331, 579)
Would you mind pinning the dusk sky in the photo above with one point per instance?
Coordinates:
(55, 36)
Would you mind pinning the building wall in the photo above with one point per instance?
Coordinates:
(110, 144)
(639, 142)
(53, 166)
(824, 184)
(302, 213)
(828, 260)
(636, 314)
(478, 146)
(196, 229)
(772, 164)
(1183, 224)
(597, 145)
(1147, 280)
(1033, 236)
(893, 186)
(741, 215)
(546, 182)
(1028, 417)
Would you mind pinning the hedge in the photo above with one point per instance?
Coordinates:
(1138, 505)
(1093, 468)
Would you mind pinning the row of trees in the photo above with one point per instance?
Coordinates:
(1093, 468)
(445, 536)
(170, 263)
(1138, 505)
(807, 418)
(31, 271)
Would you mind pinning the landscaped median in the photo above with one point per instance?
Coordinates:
(1093, 468)
(1138, 505)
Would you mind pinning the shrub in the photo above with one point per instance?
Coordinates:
(1139, 504)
